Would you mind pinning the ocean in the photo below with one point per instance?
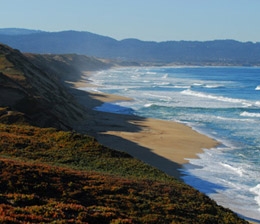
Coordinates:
(220, 102)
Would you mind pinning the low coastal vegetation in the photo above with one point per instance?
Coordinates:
(65, 177)
(50, 174)
(70, 149)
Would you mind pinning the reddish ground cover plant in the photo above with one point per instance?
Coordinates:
(50, 176)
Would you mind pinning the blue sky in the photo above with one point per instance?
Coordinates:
(156, 20)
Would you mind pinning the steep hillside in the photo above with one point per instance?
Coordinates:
(68, 67)
(32, 86)
(217, 52)
(53, 176)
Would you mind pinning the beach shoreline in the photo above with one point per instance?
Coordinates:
(166, 145)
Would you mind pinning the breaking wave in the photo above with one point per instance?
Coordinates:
(219, 98)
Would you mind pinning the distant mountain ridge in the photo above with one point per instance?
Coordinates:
(16, 31)
(217, 52)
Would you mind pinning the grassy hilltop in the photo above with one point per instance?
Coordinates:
(51, 174)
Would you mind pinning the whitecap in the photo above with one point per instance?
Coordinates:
(197, 84)
(148, 105)
(181, 87)
(151, 73)
(237, 170)
(248, 114)
(214, 97)
(162, 83)
(256, 191)
(213, 86)
(257, 88)
(90, 89)
(165, 76)
(234, 119)
(160, 97)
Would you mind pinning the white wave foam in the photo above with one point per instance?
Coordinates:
(219, 98)
(181, 87)
(197, 84)
(135, 76)
(238, 170)
(160, 97)
(208, 86)
(165, 76)
(162, 83)
(148, 105)
(256, 191)
(248, 114)
(212, 86)
(90, 89)
(235, 119)
(257, 88)
(151, 73)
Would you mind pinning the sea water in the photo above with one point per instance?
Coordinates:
(221, 102)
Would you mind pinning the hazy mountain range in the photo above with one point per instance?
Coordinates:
(217, 52)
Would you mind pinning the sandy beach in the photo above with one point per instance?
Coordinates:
(166, 145)
(162, 144)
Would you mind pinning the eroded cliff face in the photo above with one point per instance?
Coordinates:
(39, 95)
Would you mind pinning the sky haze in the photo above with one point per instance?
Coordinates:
(155, 20)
